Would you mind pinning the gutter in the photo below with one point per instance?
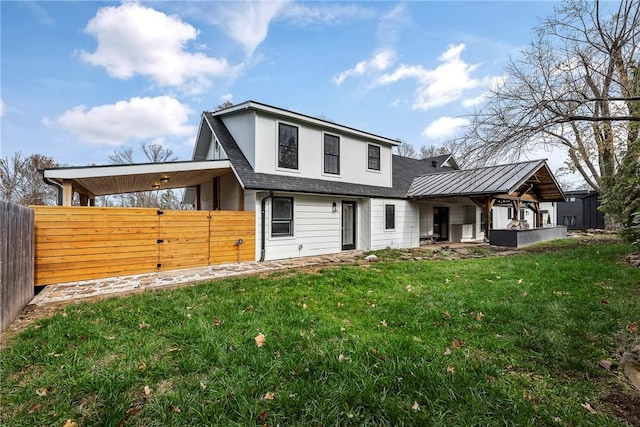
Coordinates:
(53, 184)
(262, 221)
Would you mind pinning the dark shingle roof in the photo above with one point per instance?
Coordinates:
(404, 170)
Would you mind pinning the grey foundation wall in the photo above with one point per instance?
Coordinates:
(520, 238)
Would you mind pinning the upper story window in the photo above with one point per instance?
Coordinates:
(389, 217)
(373, 157)
(287, 146)
(282, 216)
(331, 154)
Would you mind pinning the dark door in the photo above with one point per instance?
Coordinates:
(348, 225)
(441, 222)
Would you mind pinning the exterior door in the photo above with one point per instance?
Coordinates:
(441, 222)
(348, 225)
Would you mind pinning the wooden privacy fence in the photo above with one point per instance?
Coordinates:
(82, 243)
(16, 261)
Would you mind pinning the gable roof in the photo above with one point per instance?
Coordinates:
(404, 170)
(292, 115)
(491, 180)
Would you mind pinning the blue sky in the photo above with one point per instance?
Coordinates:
(80, 79)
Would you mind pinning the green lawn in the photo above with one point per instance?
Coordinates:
(510, 340)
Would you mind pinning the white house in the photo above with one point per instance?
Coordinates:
(319, 187)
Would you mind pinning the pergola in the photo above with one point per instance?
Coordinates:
(524, 184)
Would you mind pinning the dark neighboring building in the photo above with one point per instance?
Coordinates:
(580, 211)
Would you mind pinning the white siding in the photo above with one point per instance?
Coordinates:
(206, 196)
(353, 154)
(230, 192)
(242, 127)
(316, 228)
(406, 231)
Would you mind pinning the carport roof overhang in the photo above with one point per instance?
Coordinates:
(118, 179)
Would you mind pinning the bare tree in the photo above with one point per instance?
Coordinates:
(406, 150)
(225, 104)
(153, 153)
(23, 184)
(431, 151)
(575, 88)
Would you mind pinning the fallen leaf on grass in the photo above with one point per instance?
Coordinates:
(202, 385)
(447, 352)
(34, 408)
(408, 288)
(304, 306)
(451, 370)
(415, 406)
(143, 366)
(458, 343)
(175, 409)
(260, 339)
(446, 315)
(269, 396)
(524, 294)
(588, 407)
(70, 423)
(632, 327)
(446, 280)
(604, 302)
(479, 316)
(217, 322)
(41, 391)
(262, 417)
(520, 281)
(143, 325)
(341, 358)
(147, 390)
(383, 322)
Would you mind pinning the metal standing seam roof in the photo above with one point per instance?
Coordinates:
(474, 182)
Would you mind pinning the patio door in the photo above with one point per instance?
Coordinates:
(441, 222)
(348, 225)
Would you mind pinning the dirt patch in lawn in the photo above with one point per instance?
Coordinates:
(624, 405)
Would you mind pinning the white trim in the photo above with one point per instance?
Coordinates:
(144, 168)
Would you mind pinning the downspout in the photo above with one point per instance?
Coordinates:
(53, 184)
(262, 221)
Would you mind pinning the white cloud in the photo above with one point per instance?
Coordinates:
(304, 14)
(133, 39)
(2, 108)
(441, 85)
(247, 22)
(380, 62)
(492, 83)
(444, 127)
(135, 119)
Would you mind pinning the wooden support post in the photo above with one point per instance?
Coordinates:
(486, 204)
(67, 193)
(84, 199)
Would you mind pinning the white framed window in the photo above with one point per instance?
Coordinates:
(287, 146)
(331, 154)
(389, 217)
(373, 157)
(281, 216)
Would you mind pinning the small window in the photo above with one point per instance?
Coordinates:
(282, 216)
(373, 157)
(389, 217)
(569, 221)
(331, 154)
(522, 215)
(287, 146)
(509, 213)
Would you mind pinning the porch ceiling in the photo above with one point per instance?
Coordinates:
(118, 179)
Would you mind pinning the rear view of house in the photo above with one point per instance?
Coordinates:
(319, 187)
